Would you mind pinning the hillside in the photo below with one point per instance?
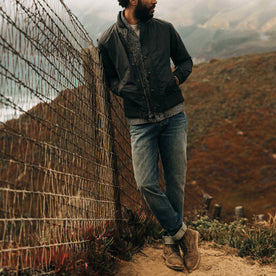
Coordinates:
(225, 29)
(230, 106)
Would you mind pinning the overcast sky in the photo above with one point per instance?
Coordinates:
(167, 9)
(175, 11)
(106, 9)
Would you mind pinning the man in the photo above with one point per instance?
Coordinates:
(136, 53)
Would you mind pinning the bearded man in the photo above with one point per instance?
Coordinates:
(136, 53)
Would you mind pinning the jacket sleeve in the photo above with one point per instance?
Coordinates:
(109, 69)
(180, 57)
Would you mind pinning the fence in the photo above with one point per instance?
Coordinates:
(65, 160)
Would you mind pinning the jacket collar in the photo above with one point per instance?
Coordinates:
(121, 25)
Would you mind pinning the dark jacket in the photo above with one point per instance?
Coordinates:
(143, 77)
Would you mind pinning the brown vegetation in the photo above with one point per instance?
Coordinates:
(231, 147)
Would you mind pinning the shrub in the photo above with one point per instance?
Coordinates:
(255, 240)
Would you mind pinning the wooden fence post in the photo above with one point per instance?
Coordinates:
(216, 211)
(239, 212)
(94, 79)
(205, 204)
(260, 218)
(116, 183)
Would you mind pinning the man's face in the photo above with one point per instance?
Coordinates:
(144, 10)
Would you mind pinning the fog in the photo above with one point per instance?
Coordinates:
(179, 12)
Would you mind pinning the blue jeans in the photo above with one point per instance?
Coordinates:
(169, 138)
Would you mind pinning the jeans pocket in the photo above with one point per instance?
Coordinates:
(180, 119)
(134, 129)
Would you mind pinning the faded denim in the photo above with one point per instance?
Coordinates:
(169, 138)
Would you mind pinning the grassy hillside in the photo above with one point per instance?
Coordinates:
(230, 106)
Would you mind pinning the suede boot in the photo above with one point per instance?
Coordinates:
(189, 246)
(172, 257)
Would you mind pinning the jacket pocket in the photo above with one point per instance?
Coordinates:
(127, 90)
(171, 86)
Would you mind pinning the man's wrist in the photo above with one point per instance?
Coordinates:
(176, 80)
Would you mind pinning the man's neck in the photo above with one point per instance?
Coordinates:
(129, 16)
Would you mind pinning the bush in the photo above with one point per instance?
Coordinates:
(256, 241)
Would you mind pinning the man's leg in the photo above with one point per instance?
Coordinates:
(173, 144)
(145, 155)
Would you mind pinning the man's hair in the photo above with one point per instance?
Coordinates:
(123, 3)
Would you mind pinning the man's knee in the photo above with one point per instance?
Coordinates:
(149, 189)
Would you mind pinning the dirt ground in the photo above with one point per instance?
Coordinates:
(215, 261)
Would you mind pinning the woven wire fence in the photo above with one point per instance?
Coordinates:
(65, 163)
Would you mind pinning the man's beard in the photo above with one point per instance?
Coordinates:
(142, 13)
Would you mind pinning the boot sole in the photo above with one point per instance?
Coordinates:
(173, 267)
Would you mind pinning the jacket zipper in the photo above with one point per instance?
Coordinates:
(141, 77)
(146, 92)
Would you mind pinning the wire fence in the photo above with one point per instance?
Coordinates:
(65, 163)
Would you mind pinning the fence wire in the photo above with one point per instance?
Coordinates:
(65, 162)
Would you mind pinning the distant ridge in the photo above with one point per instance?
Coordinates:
(209, 28)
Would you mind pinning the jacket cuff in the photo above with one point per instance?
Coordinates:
(183, 71)
(177, 73)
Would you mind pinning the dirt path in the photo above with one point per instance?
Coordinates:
(215, 261)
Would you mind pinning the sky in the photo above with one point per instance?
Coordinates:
(108, 9)
(176, 11)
